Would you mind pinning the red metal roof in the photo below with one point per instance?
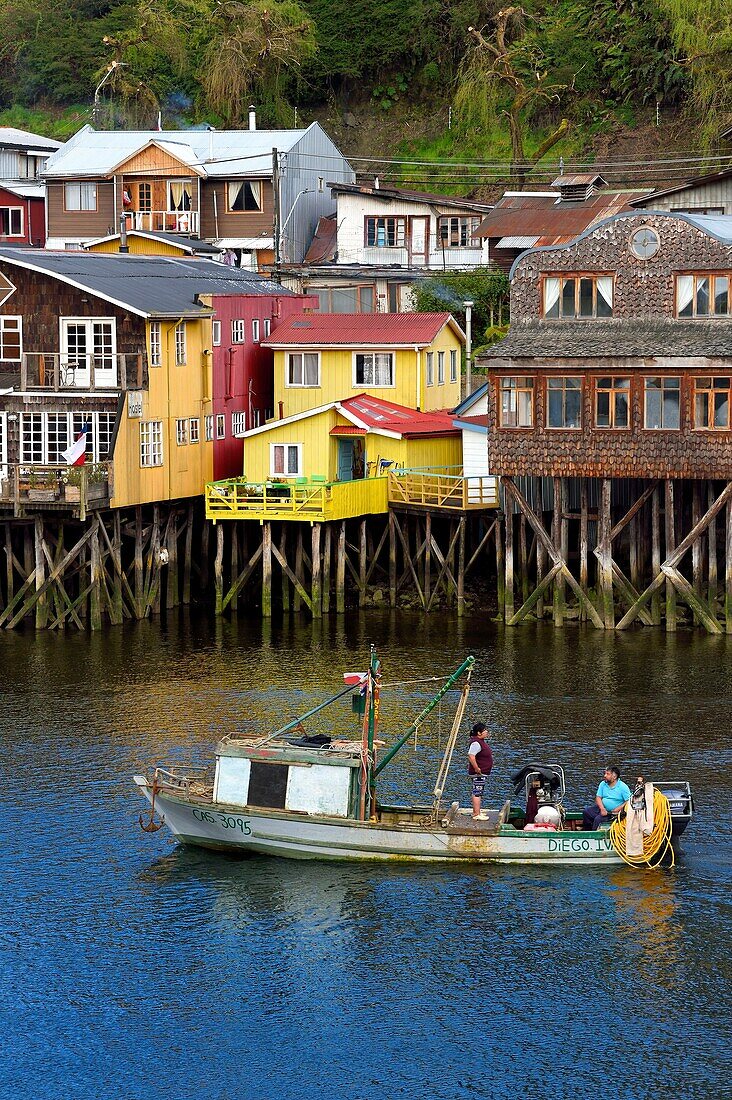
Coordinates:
(347, 429)
(374, 412)
(359, 330)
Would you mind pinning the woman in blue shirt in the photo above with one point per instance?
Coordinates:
(612, 794)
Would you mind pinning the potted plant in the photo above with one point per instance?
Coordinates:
(96, 481)
(71, 481)
(41, 486)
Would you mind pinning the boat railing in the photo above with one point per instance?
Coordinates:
(180, 777)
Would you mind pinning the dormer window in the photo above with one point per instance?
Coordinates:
(703, 295)
(578, 296)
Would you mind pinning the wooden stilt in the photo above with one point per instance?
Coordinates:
(461, 568)
(523, 560)
(285, 578)
(219, 568)
(187, 557)
(428, 557)
(508, 594)
(559, 589)
(605, 555)
(205, 533)
(139, 585)
(392, 560)
(95, 615)
(362, 561)
(234, 572)
(670, 546)
(171, 545)
(500, 568)
(296, 598)
(266, 570)
(712, 575)
(42, 599)
(117, 610)
(317, 608)
(697, 549)
(656, 553)
(341, 569)
(584, 548)
(634, 551)
(9, 574)
(728, 571)
(326, 567)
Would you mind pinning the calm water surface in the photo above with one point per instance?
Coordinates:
(134, 968)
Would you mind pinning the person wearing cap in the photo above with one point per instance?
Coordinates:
(480, 763)
(612, 794)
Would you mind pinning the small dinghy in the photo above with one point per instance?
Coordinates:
(315, 797)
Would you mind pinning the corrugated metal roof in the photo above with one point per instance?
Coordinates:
(30, 190)
(376, 413)
(516, 242)
(687, 185)
(324, 242)
(151, 286)
(12, 137)
(388, 192)
(546, 216)
(347, 429)
(220, 153)
(190, 244)
(360, 329)
(579, 179)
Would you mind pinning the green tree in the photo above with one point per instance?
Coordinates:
(702, 32)
(486, 288)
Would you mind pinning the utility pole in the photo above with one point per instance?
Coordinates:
(468, 347)
(277, 211)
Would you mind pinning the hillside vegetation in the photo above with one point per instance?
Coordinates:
(550, 75)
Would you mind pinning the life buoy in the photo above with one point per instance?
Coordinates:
(540, 827)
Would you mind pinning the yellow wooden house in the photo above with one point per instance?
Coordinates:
(410, 359)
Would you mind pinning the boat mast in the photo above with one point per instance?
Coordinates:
(373, 708)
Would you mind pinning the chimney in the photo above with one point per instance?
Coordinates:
(123, 247)
(252, 117)
(376, 183)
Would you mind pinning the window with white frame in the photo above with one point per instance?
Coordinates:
(11, 339)
(662, 406)
(703, 295)
(255, 330)
(156, 344)
(237, 332)
(285, 459)
(45, 435)
(181, 344)
(267, 327)
(303, 368)
(194, 429)
(151, 443)
(453, 365)
(208, 426)
(80, 195)
(373, 368)
(564, 402)
(516, 401)
(181, 431)
(244, 196)
(216, 333)
(457, 231)
(430, 368)
(220, 425)
(581, 296)
(11, 221)
(344, 299)
(440, 368)
(385, 232)
(179, 198)
(238, 423)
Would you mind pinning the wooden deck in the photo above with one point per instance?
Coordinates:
(435, 490)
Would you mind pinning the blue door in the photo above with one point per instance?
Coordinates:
(345, 460)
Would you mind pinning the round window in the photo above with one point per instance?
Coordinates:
(644, 243)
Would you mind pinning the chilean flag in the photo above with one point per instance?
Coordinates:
(353, 679)
(75, 455)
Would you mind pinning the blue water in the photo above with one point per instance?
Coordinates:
(134, 968)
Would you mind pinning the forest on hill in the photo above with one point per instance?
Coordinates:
(536, 72)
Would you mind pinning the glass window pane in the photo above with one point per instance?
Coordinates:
(604, 302)
(671, 409)
(702, 297)
(721, 410)
(701, 410)
(721, 383)
(603, 410)
(721, 295)
(311, 368)
(551, 297)
(525, 418)
(367, 299)
(574, 403)
(585, 303)
(279, 460)
(621, 410)
(292, 460)
(568, 290)
(556, 409)
(604, 383)
(653, 407)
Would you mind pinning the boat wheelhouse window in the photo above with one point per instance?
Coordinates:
(581, 296)
(517, 402)
(662, 403)
(712, 401)
(564, 402)
(268, 785)
(244, 196)
(612, 403)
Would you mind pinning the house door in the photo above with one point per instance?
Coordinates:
(351, 459)
(88, 352)
(419, 240)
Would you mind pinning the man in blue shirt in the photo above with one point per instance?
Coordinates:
(612, 794)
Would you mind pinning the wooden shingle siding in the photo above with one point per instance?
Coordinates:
(83, 224)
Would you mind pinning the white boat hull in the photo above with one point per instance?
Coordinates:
(272, 832)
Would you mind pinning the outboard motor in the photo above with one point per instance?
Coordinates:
(543, 787)
(681, 804)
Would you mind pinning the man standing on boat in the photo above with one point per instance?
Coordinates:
(480, 763)
(612, 794)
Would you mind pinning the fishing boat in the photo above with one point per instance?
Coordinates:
(305, 796)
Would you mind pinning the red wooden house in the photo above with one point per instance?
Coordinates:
(22, 213)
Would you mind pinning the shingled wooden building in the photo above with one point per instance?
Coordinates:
(609, 424)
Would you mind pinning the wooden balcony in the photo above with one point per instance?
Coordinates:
(28, 487)
(53, 372)
(165, 221)
(445, 490)
(311, 501)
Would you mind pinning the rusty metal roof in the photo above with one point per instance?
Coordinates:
(325, 241)
(549, 219)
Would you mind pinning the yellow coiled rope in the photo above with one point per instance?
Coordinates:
(657, 845)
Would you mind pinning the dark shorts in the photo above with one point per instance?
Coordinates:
(477, 785)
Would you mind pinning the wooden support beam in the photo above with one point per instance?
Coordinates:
(267, 570)
(584, 542)
(512, 490)
(139, 585)
(41, 597)
(95, 616)
(392, 560)
(728, 571)
(152, 591)
(479, 548)
(535, 596)
(509, 590)
(500, 568)
(116, 610)
(285, 579)
(633, 511)
(341, 569)
(297, 577)
(243, 577)
(205, 533)
(670, 528)
(427, 557)
(171, 545)
(655, 553)
(362, 564)
(219, 568)
(316, 591)
(234, 570)
(408, 559)
(63, 604)
(326, 567)
(556, 536)
(296, 582)
(376, 553)
(9, 576)
(187, 557)
(445, 570)
(687, 593)
(605, 556)
(697, 550)
(461, 567)
(712, 571)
